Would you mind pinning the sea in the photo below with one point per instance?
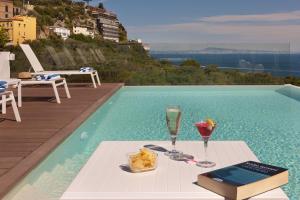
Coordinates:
(282, 65)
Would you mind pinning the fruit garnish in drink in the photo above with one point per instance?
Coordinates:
(211, 124)
(206, 128)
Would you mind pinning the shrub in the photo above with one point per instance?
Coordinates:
(190, 62)
(3, 38)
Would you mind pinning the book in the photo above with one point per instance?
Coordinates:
(243, 180)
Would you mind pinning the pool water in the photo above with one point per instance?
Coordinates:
(266, 117)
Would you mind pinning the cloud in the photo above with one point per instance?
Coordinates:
(229, 28)
(103, 1)
(272, 17)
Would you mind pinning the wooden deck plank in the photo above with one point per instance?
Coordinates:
(13, 133)
(3, 171)
(45, 124)
(23, 140)
(12, 154)
(9, 162)
(18, 146)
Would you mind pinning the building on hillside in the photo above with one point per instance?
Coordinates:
(107, 23)
(86, 31)
(6, 9)
(7, 25)
(108, 26)
(17, 11)
(63, 32)
(19, 28)
(145, 46)
(29, 7)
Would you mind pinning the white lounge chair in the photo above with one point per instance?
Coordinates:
(38, 69)
(6, 97)
(54, 83)
(5, 76)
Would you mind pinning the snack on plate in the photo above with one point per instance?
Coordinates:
(143, 161)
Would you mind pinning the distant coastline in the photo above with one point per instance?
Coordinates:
(278, 64)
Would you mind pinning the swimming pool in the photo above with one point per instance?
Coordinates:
(266, 117)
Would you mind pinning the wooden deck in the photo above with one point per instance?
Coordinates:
(45, 124)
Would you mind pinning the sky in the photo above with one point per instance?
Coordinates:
(211, 21)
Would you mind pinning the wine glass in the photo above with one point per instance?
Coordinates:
(205, 129)
(173, 117)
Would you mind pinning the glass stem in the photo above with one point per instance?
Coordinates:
(173, 144)
(205, 149)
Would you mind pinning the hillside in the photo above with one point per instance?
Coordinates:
(123, 62)
(48, 12)
(131, 64)
(62, 12)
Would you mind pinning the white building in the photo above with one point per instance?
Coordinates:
(140, 41)
(63, 32)
(107, 23)
(145, 46)
(84, 31)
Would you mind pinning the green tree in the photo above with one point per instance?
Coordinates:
(123, 33)
(3, 38)
(190, 63)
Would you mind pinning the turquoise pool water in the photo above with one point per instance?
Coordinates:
(266, 117)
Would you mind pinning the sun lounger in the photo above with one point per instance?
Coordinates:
(5, 75)
(5, 70)
(38, 69)
(54, 83)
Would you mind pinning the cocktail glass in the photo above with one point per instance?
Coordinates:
(205, 131)
(173, 117)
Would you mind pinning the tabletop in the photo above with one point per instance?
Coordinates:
(102, 178)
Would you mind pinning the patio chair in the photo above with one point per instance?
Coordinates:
(5, 75)
(5, 57)
(8, 96)
(39, 70)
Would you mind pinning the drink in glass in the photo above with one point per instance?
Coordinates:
(173, 118)
(206, 128)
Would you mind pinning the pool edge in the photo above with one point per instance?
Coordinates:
(18, 172)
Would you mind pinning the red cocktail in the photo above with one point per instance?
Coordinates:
(205, 129)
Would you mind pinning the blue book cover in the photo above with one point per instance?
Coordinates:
(244, 173)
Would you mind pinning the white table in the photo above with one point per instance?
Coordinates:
(102, 179)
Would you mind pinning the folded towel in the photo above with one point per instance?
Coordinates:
(86, 69)
(2, 89)
(3, 86)
(47, 77)
(3, 83)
